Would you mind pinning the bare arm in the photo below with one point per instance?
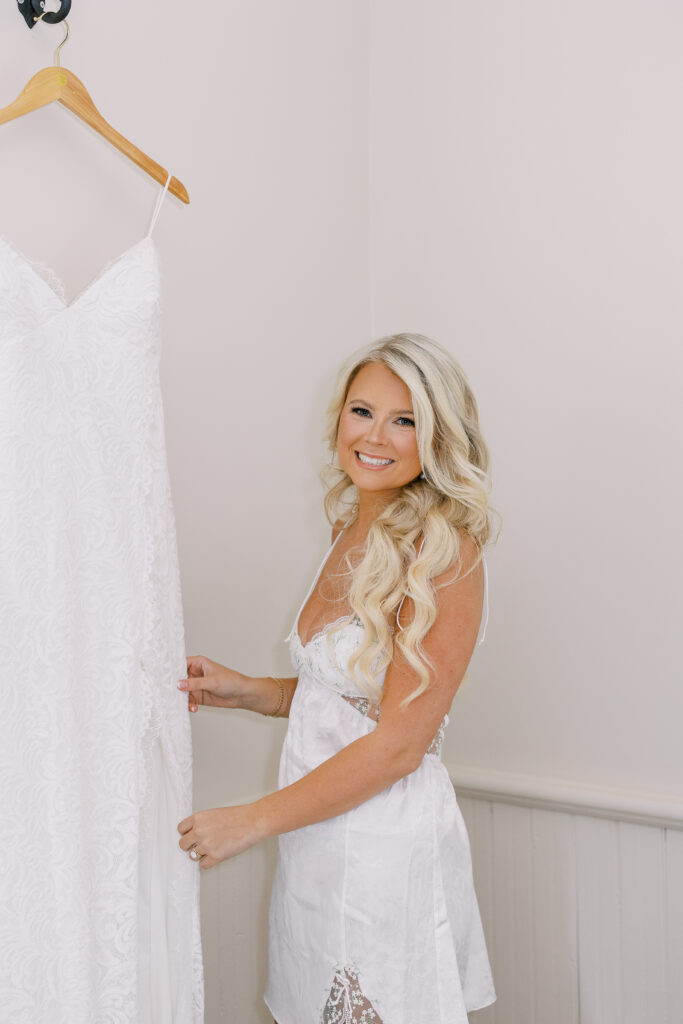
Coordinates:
(212, 685)
(373, 762)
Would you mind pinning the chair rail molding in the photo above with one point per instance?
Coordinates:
(640, 808)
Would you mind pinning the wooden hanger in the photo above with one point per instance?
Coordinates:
(60, 84)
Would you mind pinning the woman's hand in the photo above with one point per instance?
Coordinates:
(221, 833)
(215, 686)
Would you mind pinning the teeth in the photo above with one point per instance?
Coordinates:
(369, 461)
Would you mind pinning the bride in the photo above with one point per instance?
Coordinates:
(373, 915)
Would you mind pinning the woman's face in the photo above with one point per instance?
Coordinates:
(376, 442)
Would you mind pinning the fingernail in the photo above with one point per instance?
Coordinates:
(181, 684)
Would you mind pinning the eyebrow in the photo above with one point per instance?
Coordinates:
(393, 412)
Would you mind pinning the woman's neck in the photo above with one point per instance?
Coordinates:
(370, 505)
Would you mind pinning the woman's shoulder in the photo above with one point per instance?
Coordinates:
(467, 565)
(457, 587)
(469, 554)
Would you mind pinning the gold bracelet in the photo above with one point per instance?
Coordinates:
(278, 709)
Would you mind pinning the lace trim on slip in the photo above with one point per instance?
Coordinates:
(369, 709)
(346, 1003)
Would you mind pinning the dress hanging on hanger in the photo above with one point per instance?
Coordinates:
(100, 908)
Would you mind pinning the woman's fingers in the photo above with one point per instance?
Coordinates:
(198, 665)
(189, 841)
(212, 836)
(195, 670)
(213, 685)
(208, 683)
(193, 698)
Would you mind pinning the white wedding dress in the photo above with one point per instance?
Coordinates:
(99, 918)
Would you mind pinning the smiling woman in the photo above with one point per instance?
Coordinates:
(373, 915)
(439, 504)
(377, 440)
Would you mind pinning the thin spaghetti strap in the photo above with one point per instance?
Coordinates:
(485, 616)
(295, 627)
(157, 208)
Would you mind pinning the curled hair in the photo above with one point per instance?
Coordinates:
(448, 501)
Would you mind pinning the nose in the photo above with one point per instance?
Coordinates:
(376, 432)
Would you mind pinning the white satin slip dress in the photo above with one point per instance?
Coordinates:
(373, 915)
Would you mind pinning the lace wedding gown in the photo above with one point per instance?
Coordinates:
(99, 920)
(373, 917)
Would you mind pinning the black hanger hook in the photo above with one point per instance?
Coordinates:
(35, 9)
(54, 17)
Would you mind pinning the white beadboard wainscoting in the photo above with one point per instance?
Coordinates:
(581, 894)
(580, 890)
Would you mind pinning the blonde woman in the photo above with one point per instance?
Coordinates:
(373, 914)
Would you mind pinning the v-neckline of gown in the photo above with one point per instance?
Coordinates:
(34, 268)
(328, 625)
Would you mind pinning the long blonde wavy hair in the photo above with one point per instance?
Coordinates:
(449, 499)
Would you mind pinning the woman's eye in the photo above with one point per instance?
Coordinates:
(360, 411)
(405, 422)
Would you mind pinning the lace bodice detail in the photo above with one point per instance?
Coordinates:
(33, 296)
(326, 655)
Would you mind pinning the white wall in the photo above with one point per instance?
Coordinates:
(527, 211)
(520, 202)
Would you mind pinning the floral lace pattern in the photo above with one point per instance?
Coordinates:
(363, 704)
(95, 769)
(327, 653)
(346, 1003)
